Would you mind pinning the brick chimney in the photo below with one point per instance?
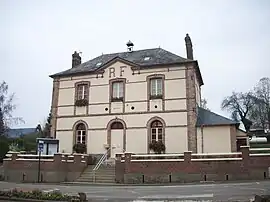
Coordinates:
(189, 47)
(76, 59)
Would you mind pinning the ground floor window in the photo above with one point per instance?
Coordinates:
(156, 131)
(81, 133)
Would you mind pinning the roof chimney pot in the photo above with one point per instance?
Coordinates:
(76, 59)
(189, 47)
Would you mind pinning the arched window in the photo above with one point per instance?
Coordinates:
(117, 125)
(81, 133)
(156, 131)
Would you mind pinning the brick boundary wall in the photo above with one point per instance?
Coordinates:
(59, 168)
(193, 168)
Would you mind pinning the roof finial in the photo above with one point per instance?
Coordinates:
(130, 46)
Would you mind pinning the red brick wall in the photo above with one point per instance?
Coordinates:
(54, 170)
(187, 170)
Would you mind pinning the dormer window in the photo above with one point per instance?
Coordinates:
(147, 58)
(98, 64)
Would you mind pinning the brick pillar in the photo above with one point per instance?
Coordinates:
(118, 158)
(14, 156)
(57, 158)
(77, 158)
(245, 152)
(233, 138)
(187, 157)
(119, 169)
(54, 104)
(127, 161)
(191, 108)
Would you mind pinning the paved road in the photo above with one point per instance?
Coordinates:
(201, 192)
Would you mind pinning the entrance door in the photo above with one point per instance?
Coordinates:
(117, 134)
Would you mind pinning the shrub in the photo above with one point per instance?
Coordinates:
(79, 148)
(4, 148)
(38, 194)
(157, 146)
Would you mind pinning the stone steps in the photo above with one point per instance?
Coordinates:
(105, 174)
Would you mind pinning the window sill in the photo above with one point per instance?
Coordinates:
(117, 100)
(155, 97)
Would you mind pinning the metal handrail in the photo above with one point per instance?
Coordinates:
(101, 160)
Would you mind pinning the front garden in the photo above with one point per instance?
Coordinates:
(38, 195)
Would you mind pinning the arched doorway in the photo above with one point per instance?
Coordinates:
(116, 137)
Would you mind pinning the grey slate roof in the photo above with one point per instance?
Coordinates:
(158, 56)
(206, 117)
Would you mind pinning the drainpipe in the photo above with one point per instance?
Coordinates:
(202, 138)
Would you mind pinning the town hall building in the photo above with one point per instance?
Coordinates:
(124, 101)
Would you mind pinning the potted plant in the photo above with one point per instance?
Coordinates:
(81, 102)
(158, 147)
(79, 148)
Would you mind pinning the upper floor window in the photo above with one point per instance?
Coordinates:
(82, 91)
(156, 87)
(118, 90)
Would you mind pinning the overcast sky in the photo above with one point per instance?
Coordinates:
(231, 41)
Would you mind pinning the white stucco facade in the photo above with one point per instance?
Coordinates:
(214, 139)
(135, 112)
(127, 124)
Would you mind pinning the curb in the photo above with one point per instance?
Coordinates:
(161, 184)
(135, 185)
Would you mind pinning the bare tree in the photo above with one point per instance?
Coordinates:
(6, 108)
(204, 104)
(239, 105)
(2, 125)
(260, 112)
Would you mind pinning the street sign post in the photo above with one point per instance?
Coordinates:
(40, 149)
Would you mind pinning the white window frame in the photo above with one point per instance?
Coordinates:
(155, 90)
(118, 85)
(80, 135)
(156, 133)
(84, 91)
